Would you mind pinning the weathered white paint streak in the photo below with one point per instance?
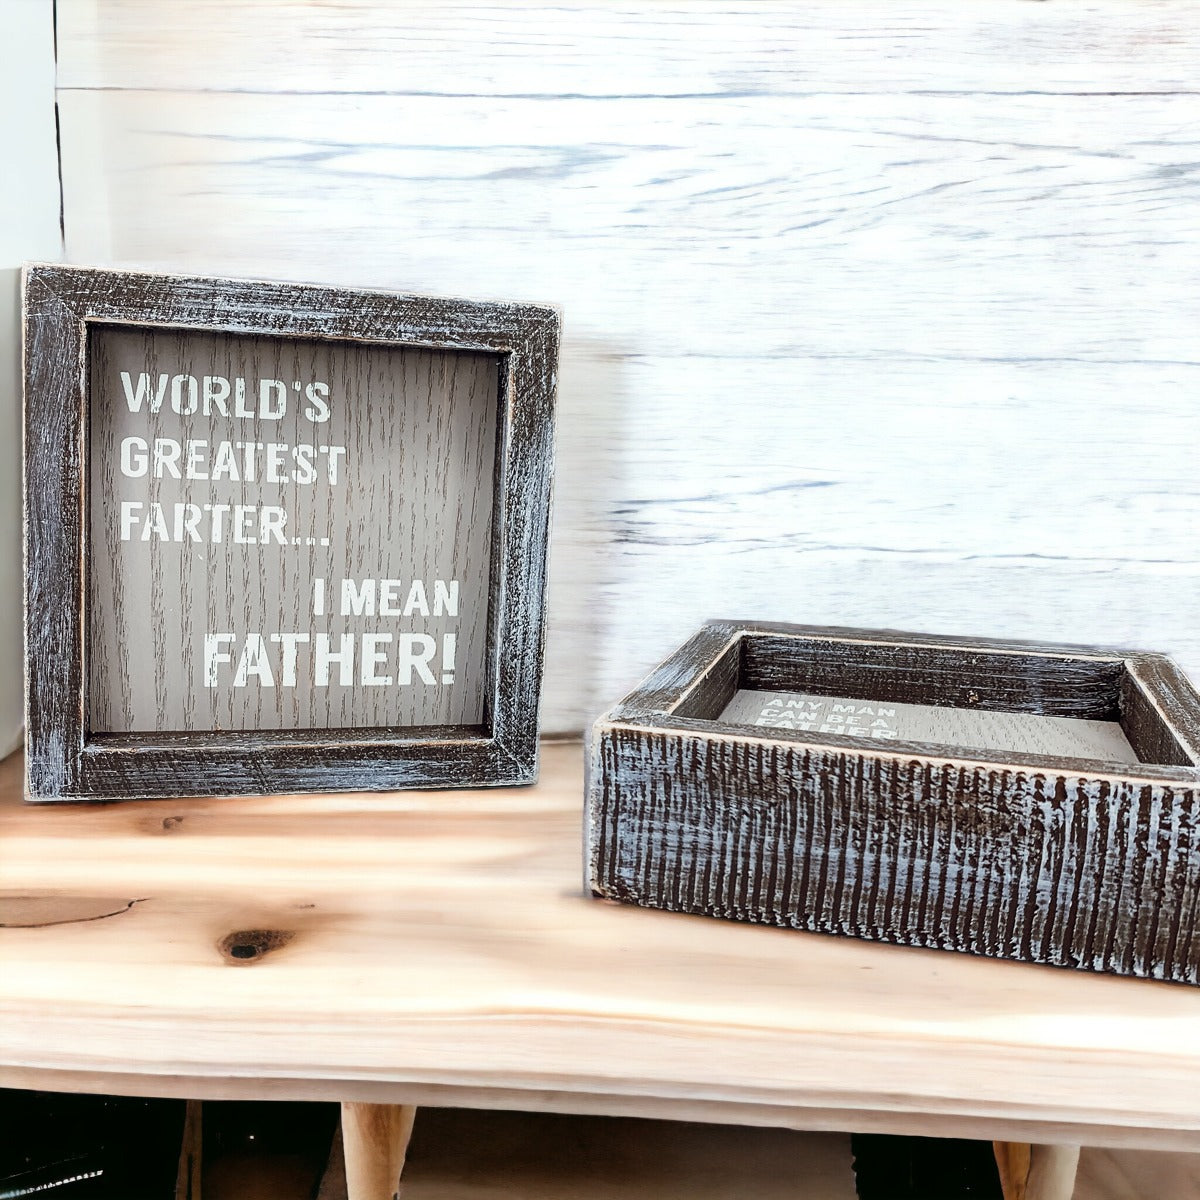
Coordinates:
(873, 315)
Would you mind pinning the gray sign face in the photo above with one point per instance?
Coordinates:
(287, 534)
(975, 729)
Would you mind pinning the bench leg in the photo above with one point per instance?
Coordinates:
(187, 1181)
(375, 1141)
(1036, 1172)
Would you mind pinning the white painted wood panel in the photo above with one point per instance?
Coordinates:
(860, 227)
(686, 48)
(917, 354)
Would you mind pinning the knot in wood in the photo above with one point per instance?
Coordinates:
(247, 946)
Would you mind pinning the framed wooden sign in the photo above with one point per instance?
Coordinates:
(1004, 798)
(280, 538)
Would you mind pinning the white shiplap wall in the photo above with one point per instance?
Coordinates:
(879, 314)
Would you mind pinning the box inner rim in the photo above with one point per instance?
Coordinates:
(1059, 685)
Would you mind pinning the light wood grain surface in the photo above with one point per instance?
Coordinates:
(437, 948)
(875, 314)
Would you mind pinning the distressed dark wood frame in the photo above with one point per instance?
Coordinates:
(1069, 862)
(65, 762)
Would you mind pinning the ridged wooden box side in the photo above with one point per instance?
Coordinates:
(1063, 869)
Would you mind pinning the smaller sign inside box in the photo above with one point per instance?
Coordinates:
(1070, 737)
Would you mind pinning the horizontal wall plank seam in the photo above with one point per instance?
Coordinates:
(752, 94)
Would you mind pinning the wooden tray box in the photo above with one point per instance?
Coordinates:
(1073, 840)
